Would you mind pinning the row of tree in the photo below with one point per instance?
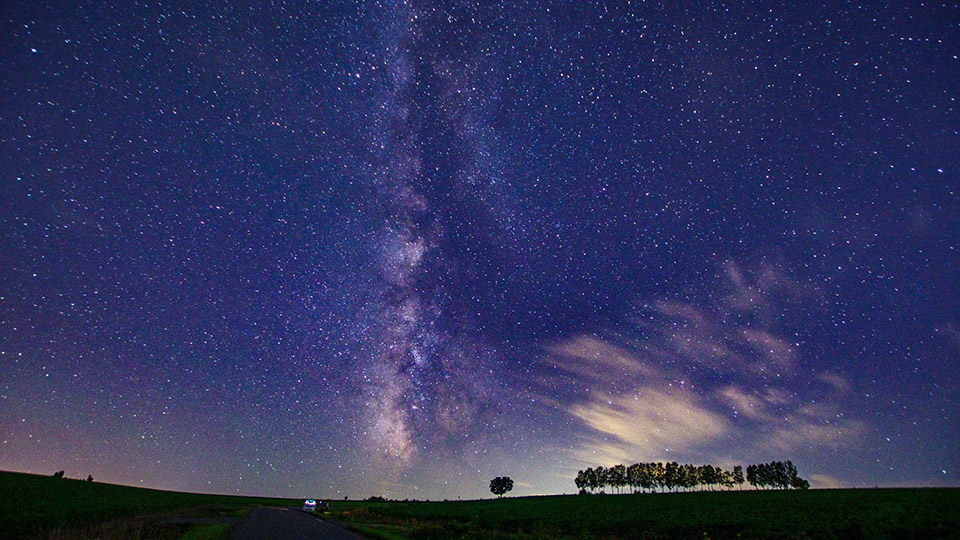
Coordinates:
(674, 476)
(776, 475)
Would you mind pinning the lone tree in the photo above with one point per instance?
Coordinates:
(501, 485)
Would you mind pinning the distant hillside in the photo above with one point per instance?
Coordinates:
(30, 504)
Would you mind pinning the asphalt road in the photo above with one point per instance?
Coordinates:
(288, 524)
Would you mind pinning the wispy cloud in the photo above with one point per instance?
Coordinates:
(785, 423)
(594, 357)
(773, 349)
(838, 383)
(661, 395)
(746, 404)
(825, 481)
(650, 421)
(739, 328)
(799, 431)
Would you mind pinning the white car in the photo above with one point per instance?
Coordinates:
(309, 505)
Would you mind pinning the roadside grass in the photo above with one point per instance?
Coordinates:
(381, 532)
(353, 515)
(33, 506)
(815, 514)
(142, 527)
(241, 512)
(217, 531)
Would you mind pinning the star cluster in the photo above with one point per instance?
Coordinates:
(401, 248)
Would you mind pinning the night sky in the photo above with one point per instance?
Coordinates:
(321, 249)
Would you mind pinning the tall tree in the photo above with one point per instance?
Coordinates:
(659, 475)
(618, 477)
(672, 475)
(580, 480)
(602, 478)
(690, 476)
(634, 475)
(726, 479)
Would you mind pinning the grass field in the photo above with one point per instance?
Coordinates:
(815, 514)
(31, 504)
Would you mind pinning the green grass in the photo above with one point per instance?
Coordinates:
(815, 514)
(241, 512)
(384, 532)
(217, 531)
(31, 504)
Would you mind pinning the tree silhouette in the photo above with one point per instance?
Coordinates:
(651, 476)
(671, 477)
(501, 485)
(618, 476)
(727, 479)
(600, 478)
(705, 475)
(635, 476)
(776, 474)
(800, 483)
(688, 477)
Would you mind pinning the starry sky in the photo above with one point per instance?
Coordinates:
(345, 249)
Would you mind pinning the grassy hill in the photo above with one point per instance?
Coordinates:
(814, 514)
(31, 504)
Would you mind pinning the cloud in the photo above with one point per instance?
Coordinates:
(630, 408)
(783, 422)
(650, 421)
(764, 290)
(825, 481)
(704, 376)
(838, 383)
(740, 327)
(746, 404)
(799, 432)
(770, 347)
(596, 356)
(695, 334)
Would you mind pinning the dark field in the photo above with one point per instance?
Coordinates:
(31, 504)
(815, 514)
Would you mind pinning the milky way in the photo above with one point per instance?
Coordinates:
(428, 376)
(401, 248)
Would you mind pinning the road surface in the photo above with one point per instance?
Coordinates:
(267, 523)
